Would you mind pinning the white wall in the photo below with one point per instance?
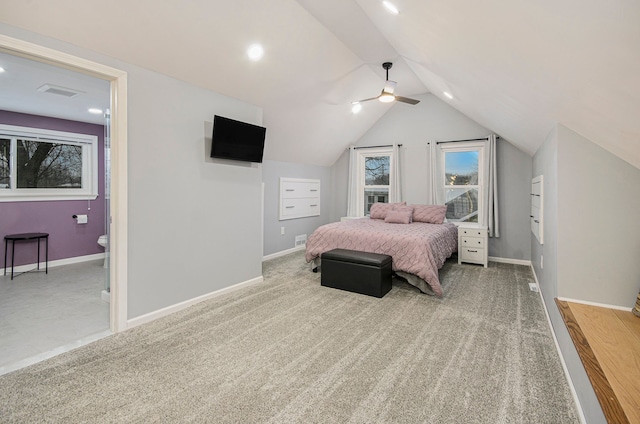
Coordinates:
(598, 229)
(432, 119)
(274, 241)
(548, 162)
(194, 223)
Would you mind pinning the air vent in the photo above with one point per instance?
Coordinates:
(60, 91)
(301, 240)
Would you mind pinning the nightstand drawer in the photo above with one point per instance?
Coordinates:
(473, 245)
(472, 242)
(472, 254)
(472, 232)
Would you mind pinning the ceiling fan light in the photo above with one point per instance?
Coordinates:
(386, 98)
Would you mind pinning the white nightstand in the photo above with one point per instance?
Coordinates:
(473, 245)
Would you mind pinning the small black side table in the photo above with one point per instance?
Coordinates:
(22, 237)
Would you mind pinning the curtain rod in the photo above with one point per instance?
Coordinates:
(471, 139)
(373, 147)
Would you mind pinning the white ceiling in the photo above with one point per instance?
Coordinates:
(516, 67)
(19, 90)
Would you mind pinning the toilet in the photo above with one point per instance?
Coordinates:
(103, 240)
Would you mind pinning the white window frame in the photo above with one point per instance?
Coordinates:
(362, 155)
(89, 143)
(481, 186)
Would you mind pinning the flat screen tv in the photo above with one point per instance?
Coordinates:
(237, 140)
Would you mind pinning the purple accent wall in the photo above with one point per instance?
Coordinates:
(67, 239)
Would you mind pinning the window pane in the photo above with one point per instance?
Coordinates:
(5, 172)
(42, 164)
(461, 168)
(462, 204)
(381, 195)
(376, 170)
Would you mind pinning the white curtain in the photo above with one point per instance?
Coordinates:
(395, 188)
(491, 197)
(436, 175)
(352, 190)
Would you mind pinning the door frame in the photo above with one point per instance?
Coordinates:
(118, 128)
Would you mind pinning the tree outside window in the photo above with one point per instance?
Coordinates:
(5, 154)
(376, 180)
(48, 165)
(38, 164)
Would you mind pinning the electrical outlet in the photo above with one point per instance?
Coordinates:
(281, 231)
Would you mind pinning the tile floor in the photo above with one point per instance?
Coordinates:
(42, 315)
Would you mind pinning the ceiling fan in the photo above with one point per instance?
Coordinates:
(387, 96)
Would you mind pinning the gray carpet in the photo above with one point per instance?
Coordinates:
(290, 351)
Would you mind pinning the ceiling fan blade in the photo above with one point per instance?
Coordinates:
(366, 100)
(389, 87)
(407, 100)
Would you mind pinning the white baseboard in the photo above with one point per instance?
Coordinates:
(283, 253)
(572, 388)
(600, 305)
(53, 264)
(151, 316)
(510, 261)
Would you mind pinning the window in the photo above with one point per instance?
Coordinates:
(374, 166)
(47, 165)
(463, 181)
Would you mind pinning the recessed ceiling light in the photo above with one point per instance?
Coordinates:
(255, 52)
(356, 108)
(95, 110)
(390, 7)
(449, 95)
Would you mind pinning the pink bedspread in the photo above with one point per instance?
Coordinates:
(416, 248)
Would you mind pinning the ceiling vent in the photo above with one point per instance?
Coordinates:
(61, 91)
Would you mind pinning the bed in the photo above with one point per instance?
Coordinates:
(419, 249)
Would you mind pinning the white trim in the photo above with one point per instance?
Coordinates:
(118, 274)
(118, 79)
(152, 316)
(508, 260)
(600, 305)
(283, 253)
(572, 388)
(52, 264)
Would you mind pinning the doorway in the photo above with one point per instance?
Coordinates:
(116, 215)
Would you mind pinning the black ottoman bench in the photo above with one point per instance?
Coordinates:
(358, 272)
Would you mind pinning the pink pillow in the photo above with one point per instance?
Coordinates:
(431, 214)
(399, 215)
(380, 210)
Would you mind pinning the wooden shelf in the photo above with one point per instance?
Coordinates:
(608, 342)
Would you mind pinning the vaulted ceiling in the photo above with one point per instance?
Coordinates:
(516, 67)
